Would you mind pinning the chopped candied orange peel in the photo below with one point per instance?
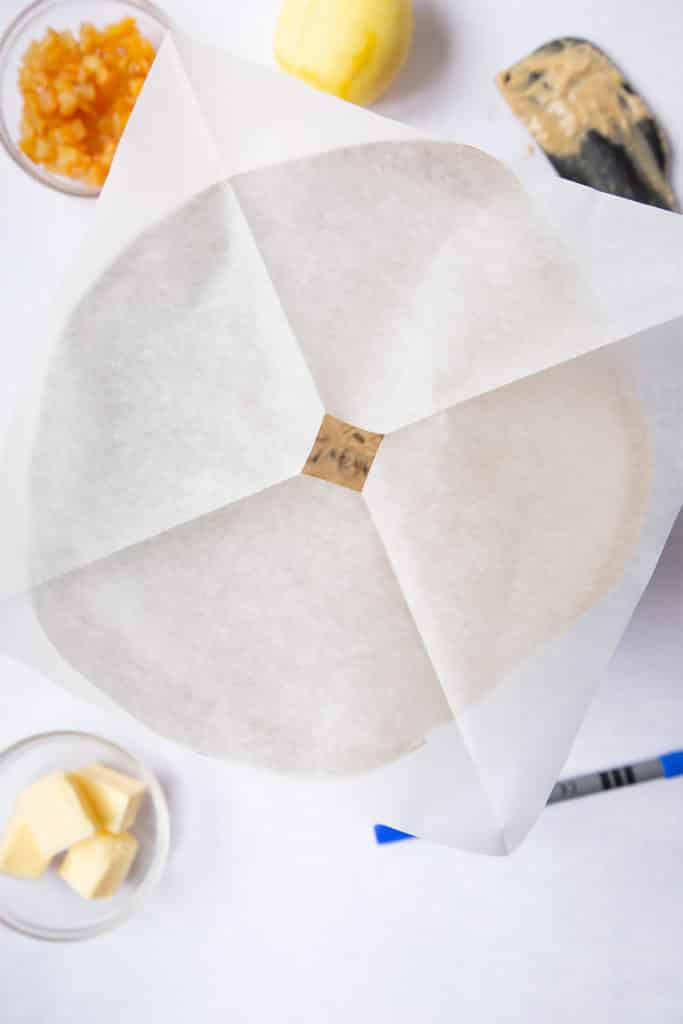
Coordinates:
(78, 95)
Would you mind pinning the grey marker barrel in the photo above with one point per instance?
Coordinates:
(613, 778)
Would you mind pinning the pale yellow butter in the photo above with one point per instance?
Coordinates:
(56, 813)
(97, 866)
(20, 854)
(114, 798)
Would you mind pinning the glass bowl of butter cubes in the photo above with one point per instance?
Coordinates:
(83, 835)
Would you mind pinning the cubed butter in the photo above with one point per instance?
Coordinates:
(20, 854)
(97, 866)
(115, 798)
(56, 813)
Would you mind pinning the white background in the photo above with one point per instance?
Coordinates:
(290, 912)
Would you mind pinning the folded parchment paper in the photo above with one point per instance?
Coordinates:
(430, 642)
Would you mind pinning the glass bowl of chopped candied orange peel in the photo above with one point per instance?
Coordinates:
(70, 73)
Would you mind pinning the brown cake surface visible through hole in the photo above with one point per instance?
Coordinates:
(342, 454)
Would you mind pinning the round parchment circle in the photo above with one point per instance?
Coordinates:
(279, 630)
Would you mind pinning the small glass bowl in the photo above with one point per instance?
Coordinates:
(31, 24)
(47, 908)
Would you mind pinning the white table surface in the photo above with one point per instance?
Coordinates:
(286, 911)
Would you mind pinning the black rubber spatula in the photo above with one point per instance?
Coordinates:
(589, 121)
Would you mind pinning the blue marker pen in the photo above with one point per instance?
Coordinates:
(665, 767)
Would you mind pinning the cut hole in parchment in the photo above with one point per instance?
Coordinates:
(342, 454)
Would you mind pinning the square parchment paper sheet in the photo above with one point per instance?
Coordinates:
(430, 643)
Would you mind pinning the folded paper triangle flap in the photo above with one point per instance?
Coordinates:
(615, 241)
(175, 388)
(631, 254)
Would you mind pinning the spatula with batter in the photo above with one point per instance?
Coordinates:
(589, 121)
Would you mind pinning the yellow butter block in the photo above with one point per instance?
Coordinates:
(351, 48)
(57, 814)
(97, 866)
(115, 798)
(20, 854)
